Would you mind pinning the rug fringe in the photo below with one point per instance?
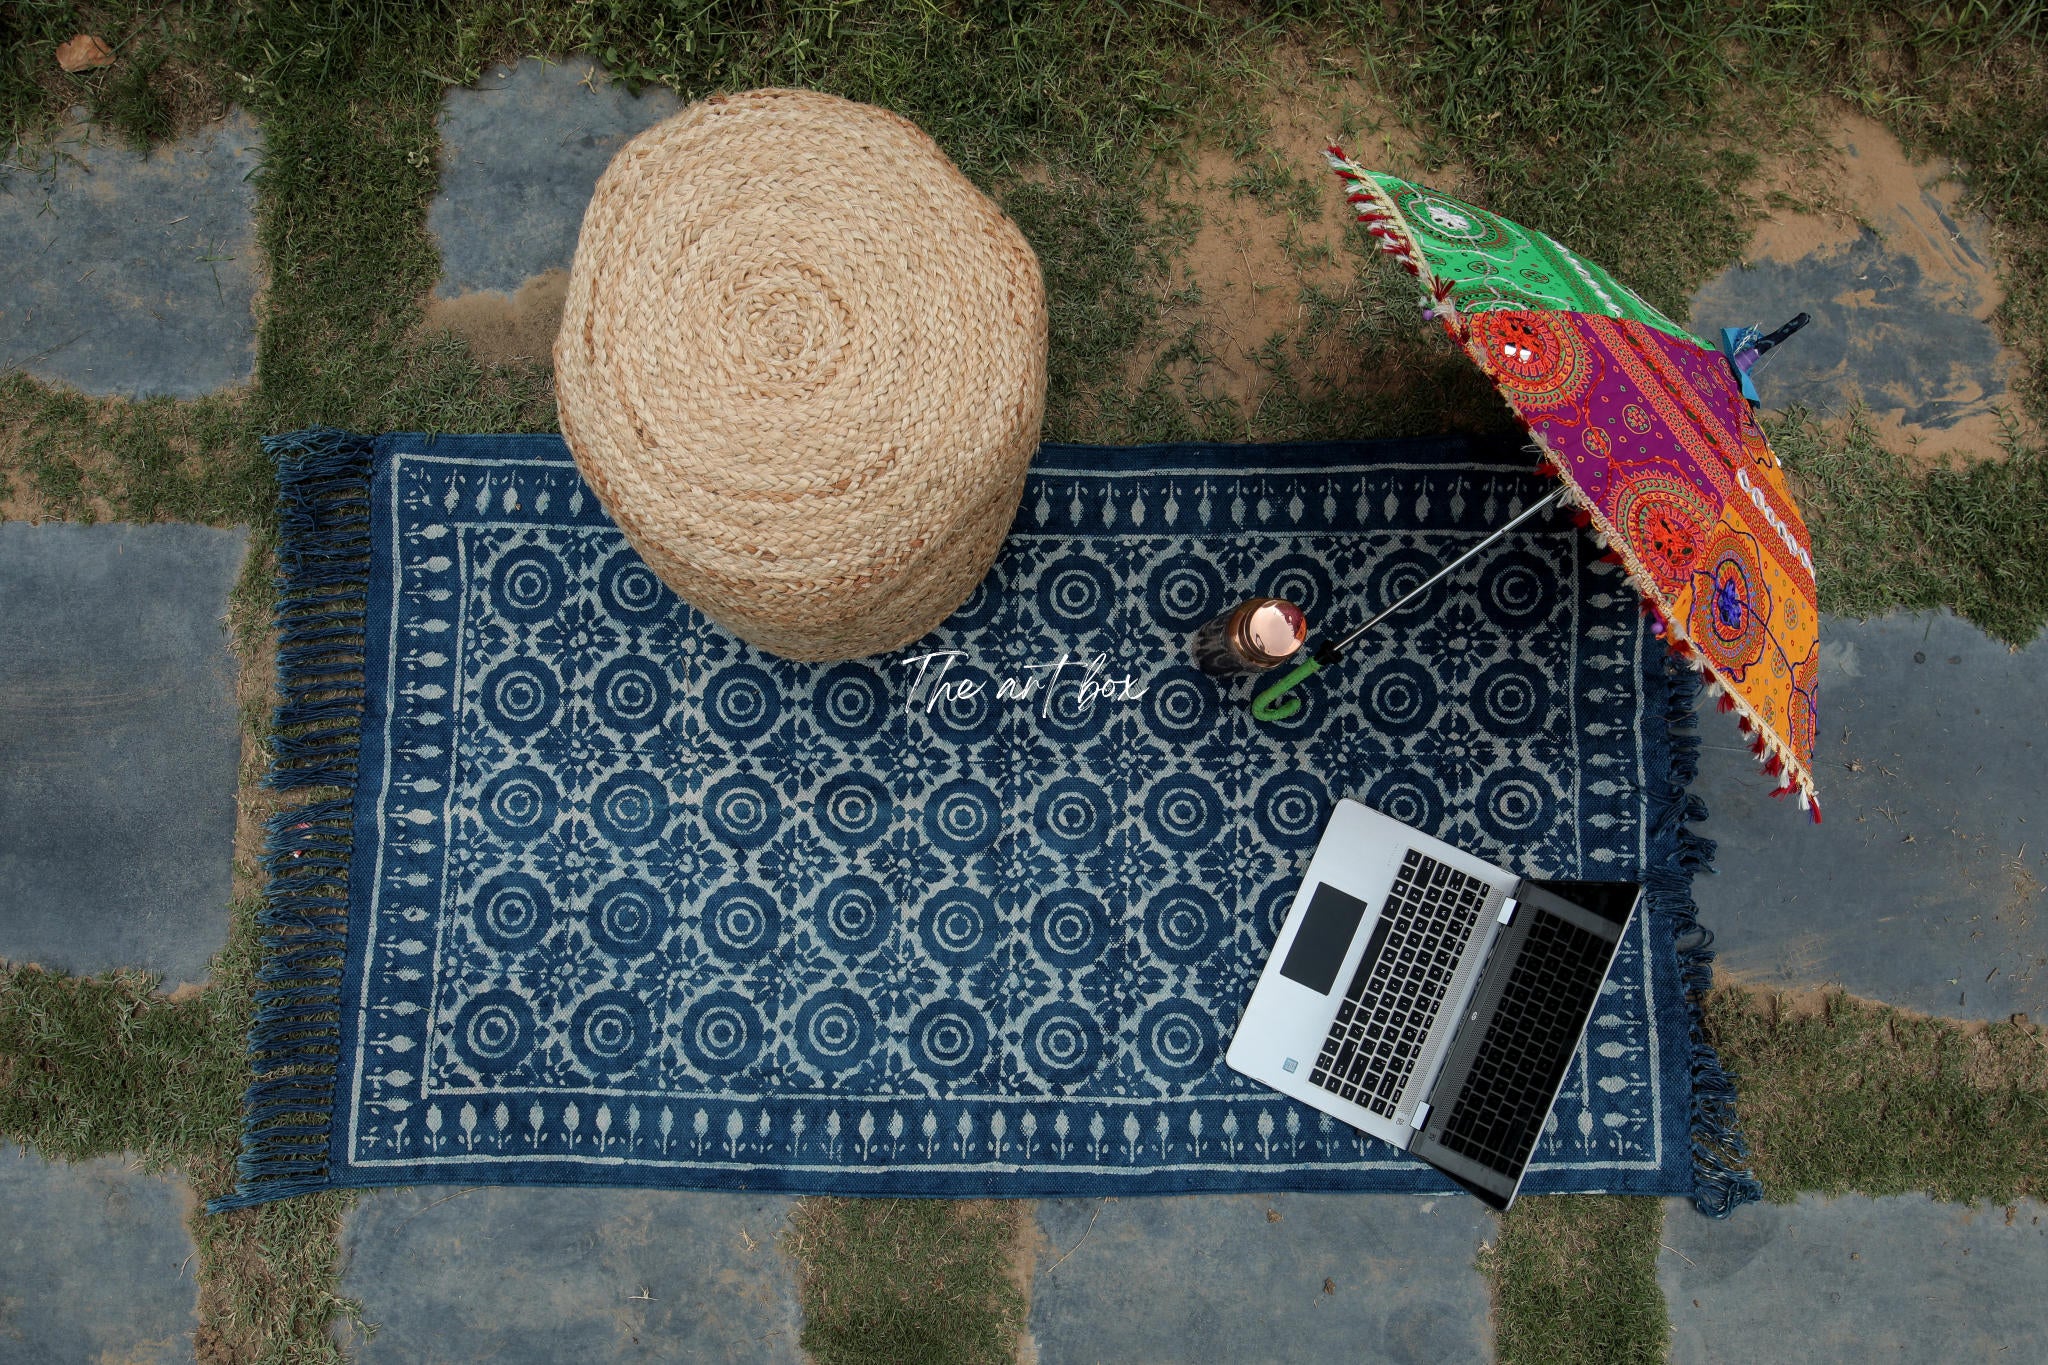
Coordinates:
(323, 578)
(1722, 1181)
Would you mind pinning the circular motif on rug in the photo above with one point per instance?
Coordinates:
(609, 1032)
(1730, 605)
(1511, 698)
(1182, 702)
(1665, 522)
(958, 926)
(630, 808)
(521, 697)
(1519, 589)
(1302, 580)
(1073, 815)
(1595, 443)
(1062, 1043)
(1536, 358)
(742, 702)
(528, 585)
(835, 1030)
(962, 817)
(948, 1039)
(1075, 592)
(1635, 419)
(1400, 697)
(741, 809)
(978, 610)
(1182, 810)
(1070, 928)
(1184, 591)
(519, 803)
(854, 914)
(741, 923)
(513, 911)
(630, 591)
(1183, 924)
(1453, 222)
(629, 917)
(1291, 808)
(1274, 903)
(494, 1032)
(1399, 573)
(1516, 805)
(721, 1033)
(852, 810)
(850, 701)
(959, 719)
(1066, 717)
(1409, 796)
(631, 695)
(1177, 1040)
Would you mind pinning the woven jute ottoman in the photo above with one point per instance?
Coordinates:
(802, 363)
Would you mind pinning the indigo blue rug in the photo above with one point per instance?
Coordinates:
(613, 898)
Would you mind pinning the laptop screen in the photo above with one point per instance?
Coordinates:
(1327, 928)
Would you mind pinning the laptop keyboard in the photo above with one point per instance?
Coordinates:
(1397, 991)
(1529, 1044)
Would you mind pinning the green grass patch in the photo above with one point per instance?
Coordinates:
(1575, 1282)
(908, 1281)
(1845, 1096)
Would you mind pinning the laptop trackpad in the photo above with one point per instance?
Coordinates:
(1323, 938)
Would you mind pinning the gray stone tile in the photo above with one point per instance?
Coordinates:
(130, 274)
(1855, 1279)
(1924, 888)
(521, 151)
(1368, 1278)
(119, 745)
(547, 1275)
(95, 1263)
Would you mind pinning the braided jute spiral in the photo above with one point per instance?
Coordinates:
(802, 363)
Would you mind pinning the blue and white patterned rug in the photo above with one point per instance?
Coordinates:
(625, 901)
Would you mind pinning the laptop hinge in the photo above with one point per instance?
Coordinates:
(1420, 1116)
(1507, 911)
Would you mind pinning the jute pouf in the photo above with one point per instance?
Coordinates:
(802, 363)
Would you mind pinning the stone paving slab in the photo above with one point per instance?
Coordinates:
(1854, 1279)
(1924, 886)
(95, 1263)
(134, 274)
(119, 745)
(521, 151)
(1261, 1278)
(549, 1275)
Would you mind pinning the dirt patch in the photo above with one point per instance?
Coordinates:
(1026, 1244)
(1859, 179)
(1811, 1002)
(501, 329)
(1266, 275)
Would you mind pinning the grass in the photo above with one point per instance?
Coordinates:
(1621, 129)
(907, 1281)
(1848, 1096)
(1575, 1282)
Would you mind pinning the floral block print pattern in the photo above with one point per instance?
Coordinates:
(635, 903)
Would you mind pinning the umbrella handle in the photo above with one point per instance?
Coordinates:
(1274, 703)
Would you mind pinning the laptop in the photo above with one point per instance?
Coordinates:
(1429, 998)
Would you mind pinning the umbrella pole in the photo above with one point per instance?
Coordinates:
(1275, 704)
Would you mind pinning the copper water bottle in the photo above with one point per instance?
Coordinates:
(1250, 638)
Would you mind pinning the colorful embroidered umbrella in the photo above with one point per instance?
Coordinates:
(1650, 433)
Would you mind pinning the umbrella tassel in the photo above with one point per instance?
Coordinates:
(1726, 702)
(1774, 767)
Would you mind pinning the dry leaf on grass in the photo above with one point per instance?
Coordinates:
(84, 53)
